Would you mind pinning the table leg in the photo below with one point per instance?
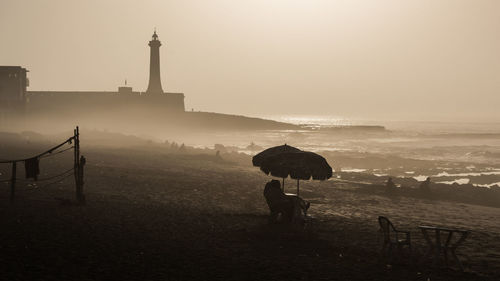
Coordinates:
(429, 242)
(446, 247)
(457, 260)
(455, 246)
(438, 246)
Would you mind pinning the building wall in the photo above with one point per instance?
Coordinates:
(124, 111)
(13, 83)
(18, 105)
(85, 103)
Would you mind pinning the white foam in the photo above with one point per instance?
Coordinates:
(476, 174)
(420, 178)
(457, 181)
(488, 185)
(353, 170)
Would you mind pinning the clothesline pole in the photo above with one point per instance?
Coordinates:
(79, 163)
(76, 166)
(75, 163)
(80, 176)
(13, 181)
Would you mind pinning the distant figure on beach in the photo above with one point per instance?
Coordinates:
(425, 186)
(390, 186)
(286, 208)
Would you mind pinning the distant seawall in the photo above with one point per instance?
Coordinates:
(343, 128)
(144, 119)
(366, 128)
(221, 121)
(114, 110)
(125, 110)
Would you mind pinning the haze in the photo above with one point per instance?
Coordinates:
(418, 60)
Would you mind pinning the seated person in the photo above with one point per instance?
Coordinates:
(290, 207)
(278, 202)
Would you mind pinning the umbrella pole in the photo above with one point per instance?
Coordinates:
(283, 185)
(297, 187)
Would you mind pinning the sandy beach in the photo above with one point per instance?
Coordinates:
(166, 140)
(157, 214)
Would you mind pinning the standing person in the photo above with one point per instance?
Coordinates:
(425, 186)
(390, 186)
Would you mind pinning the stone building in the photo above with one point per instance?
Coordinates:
(13, 83)
(16, 101)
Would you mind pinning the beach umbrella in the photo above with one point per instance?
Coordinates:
(258, 159)
(275, 150)
(301, 165)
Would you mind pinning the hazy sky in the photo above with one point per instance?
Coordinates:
(409, 59)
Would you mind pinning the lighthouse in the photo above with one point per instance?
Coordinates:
(154, 86)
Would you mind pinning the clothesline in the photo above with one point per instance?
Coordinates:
(69, 140)
(43, 179)
(31, 164)
(58, 175)
(32, 167)
(51, 183)
(55, 153)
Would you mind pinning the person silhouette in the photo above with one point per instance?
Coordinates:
(283, 207)
(390, 184)
(280, 205)
(425, 185)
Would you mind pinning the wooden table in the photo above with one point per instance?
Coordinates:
(436, 246)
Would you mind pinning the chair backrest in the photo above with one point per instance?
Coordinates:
(273, 193)
(386, 227)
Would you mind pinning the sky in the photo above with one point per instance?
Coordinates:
(425, 60)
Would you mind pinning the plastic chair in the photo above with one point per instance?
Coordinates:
(393, 238)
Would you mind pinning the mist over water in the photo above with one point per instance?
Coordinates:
(461, 153)
(318, 137)
(416, 126)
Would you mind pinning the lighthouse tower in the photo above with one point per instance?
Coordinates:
(154, 86)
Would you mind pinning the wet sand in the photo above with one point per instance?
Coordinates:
(156, 215)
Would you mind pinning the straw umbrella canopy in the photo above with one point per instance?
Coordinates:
(258, 159)
(300, 165)
(275, 150)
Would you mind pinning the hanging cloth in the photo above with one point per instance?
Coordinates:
(32, 168)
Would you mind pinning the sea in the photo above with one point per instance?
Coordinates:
(459, 153)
